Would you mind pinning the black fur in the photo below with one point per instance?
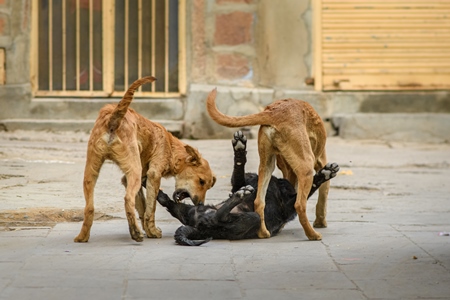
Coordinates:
(234, 218)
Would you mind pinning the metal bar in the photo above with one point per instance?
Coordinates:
(140, 41)
(148, 94)
(77, 34)
(34, 53)
(104, 94)
(91, 45)
(50, 44)
(127, 12)
(108, 44)
(64, 38)
(166, 47)
(182, 46)
(153, 37)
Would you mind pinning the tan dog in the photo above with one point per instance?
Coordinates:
(293, 135)
(141, 148)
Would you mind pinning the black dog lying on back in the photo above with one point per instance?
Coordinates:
(235, 218)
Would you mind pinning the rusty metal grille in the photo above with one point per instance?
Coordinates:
(97, 48)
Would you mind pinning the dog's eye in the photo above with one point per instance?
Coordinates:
(202, 182)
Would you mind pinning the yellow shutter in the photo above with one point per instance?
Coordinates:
(382, 44)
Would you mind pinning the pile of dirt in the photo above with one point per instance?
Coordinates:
(43, 217)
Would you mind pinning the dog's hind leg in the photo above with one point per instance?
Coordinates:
(223, 212)
(287, 171)
(94, 163)
(321, 206)
(140, 199)
(130, 165)
(300, 158)
(265, 170)
(239, 142)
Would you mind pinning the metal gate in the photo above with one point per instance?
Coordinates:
(97, 48)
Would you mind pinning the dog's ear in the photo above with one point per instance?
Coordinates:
(193, 157)
(214, 181)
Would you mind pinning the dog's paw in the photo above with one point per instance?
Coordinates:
(320, 223)
(330, 170)
(314, 236)
(263, 233)
(81, 239)
(244, 191)
(239, 141)
(154, 232)
(326, 173)
(136, 234)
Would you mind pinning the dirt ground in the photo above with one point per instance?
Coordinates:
(26, 146)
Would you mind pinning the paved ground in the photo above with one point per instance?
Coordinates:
(387, 209)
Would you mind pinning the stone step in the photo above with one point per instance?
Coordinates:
(175, 127)
(87, 109)
(399, 127)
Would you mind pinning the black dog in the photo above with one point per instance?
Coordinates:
(235, 218)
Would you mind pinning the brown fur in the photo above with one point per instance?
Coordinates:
(293, 135)
(140, 148)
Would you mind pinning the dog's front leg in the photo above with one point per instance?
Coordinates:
(177, 210)
(153, 184)
(91, 172)
(140, 205)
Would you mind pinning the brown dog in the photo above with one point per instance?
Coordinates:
(293, 135)
(141, 148)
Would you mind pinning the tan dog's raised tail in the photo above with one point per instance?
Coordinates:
(293, 136)
(141, 148)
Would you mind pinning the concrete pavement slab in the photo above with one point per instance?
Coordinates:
(385, 212)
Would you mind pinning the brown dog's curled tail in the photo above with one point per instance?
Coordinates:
(121, 108)
(261, 118)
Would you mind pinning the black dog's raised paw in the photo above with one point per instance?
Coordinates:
(239, 141)
(239, 146)
(326, 173)
(244, 191)
(330, 170)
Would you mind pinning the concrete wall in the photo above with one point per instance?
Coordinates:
(256, 51)
(15, 94)
(283, 44)
(250, 43)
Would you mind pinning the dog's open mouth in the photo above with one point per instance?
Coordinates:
(181, 194)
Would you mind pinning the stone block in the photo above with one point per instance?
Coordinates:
(232, 66)
(4, 25)
(233, 28)
(220, 2)
(401, 127)
(235, 101)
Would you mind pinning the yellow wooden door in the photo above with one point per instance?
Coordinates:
(382, 44)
